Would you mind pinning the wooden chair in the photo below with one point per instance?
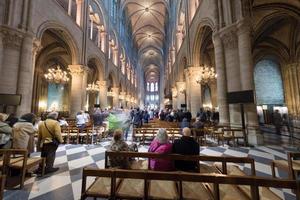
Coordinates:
(2, 185)
(74, 134)
(291, 165)
(65, 133)
(199, 135)
(18, 159)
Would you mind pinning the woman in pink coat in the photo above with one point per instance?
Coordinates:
(161, 144)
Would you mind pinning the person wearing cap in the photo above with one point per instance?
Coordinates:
(186, 145)
(161, 145)
(23, 133)
(5, 132)
(49, 135)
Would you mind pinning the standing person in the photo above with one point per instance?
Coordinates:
(81, 120)
(188, 115)
(146, 117)
(49, 139)
(5, 132)
(23, 133)
(186, 145)
(98, 119)
(185, 123)
(277, 121)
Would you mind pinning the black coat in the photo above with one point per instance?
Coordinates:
(186, 146)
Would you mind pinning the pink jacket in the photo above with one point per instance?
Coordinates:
(161, 164)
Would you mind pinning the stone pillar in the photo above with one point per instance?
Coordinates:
(230, 43)
(10, 63)
(115, 56)
(26, 71)
(70, 7)
(79, 12)
(181, 94)
(291, 75)
(103, 94)
(76, 88)
(174, 97)
(1, 52)
(195, 90)
(103, 41)
(247, 81)
(86, 72)
(115, 90)
(221, 80)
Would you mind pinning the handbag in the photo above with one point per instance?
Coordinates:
(54, 140)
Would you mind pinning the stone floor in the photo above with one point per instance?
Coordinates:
(66, 183)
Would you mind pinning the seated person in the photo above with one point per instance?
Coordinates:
(161, 145)
(63, 122)
(186, 145)
(198, 124)
(118, 144)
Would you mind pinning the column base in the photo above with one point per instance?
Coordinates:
(255, 137)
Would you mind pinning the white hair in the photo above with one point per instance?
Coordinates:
(162, 136)
(52, 115)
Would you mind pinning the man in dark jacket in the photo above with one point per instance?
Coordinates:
(186, 146)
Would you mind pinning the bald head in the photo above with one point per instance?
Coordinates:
(186, 131)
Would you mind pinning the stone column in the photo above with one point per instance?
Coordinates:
(115, 90)
(230, 43)
(103, 94)
(194, 90)
(26, 71)
(11, 59)
(174, 97)
(181, 94)
(86, 72)
(79, 12)
(103, 41)
(115, 56)
(247, 81)
(70, 7)
(221, 80)
(1, 52)
(76, 88)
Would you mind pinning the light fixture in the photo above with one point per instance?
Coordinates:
(207, 75)
(57, 76)
(93, 87)
(149, 36)
(146, 9)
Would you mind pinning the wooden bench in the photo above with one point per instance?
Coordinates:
(290, 165)
(18, 159)
(219, 165)
(149, 134)
(232, 134)
(111, 183)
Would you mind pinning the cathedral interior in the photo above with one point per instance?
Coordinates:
(233, 65)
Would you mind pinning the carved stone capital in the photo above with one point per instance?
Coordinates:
(11, 39)
(76, 69)
(37, 46)
(102, 83)
(244, 26)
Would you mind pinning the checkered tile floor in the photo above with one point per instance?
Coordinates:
(66, 183)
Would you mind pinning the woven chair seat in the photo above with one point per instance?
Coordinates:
(163, 190)
(227, 192)
(101, 187)
(12, 160)
(138, 135)
(284, 164)
(195, 191)
(30, 161)
(139, 164)
(264, 192)
(131, 188)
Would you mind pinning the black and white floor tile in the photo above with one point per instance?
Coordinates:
(66, 183)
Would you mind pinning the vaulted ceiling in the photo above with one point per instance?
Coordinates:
(147, 19)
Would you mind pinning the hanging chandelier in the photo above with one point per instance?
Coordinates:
(207, 75)
(93, 87)
(57, 76)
